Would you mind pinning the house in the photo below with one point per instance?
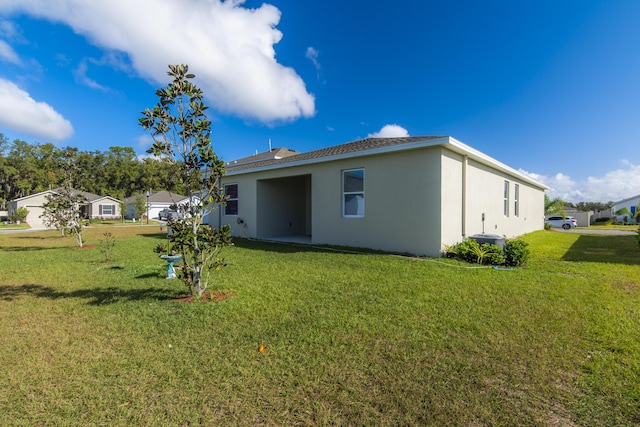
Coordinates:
(408, 195)
(157, 200)
(96, 207)
(631, 203)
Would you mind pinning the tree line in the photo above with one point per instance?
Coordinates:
(117, 172)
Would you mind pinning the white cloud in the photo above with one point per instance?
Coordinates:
(612, 186)
(389, 131)
(8, 54)
(312, 54)
(230, 48)
(80, 74)
(109, 59)
(145, 141)
(9, 31)
(22, 113)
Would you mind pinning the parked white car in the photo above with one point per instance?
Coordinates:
(557, 221)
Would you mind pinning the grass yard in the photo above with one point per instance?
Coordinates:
(350, 339)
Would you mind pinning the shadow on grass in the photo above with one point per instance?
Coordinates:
(609, 249)
(31, 237)
(287, 247)
(29, 248)
(148, 275)
(161, 236)
(99, 296)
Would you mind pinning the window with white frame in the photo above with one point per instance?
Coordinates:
(516, 200)
(231, 207)
(506, 198)
(353, 193)
(107, 209)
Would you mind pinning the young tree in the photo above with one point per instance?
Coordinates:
(181, 133)
(62, 211)
(140, 206)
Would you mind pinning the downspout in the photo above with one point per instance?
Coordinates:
(465, 160)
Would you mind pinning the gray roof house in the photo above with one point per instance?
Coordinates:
(158, 201)
(96, 206)
(407, 195)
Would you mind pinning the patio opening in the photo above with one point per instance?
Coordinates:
(284, 209)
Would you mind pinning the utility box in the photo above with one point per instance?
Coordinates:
(492, 239)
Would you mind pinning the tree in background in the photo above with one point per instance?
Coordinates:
(554, 206)
(31, 168)
(624, 212)
(593, 206)
(62, 210)
(140, 206)
(181, 135)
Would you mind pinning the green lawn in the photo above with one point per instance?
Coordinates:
(351, 339)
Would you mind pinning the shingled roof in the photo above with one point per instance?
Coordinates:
(273, 154)
(337, 150)
(372, 146)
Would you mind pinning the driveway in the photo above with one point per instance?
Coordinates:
(22, 230)
(611, 232)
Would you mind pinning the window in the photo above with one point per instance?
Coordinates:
(231, 207)
(506, 198)
(107, 209)
(353, 193)
(516, 200)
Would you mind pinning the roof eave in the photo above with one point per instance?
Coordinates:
(331, 158)
(445, 141)
(462, 148)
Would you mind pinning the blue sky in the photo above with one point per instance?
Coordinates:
(548, 87)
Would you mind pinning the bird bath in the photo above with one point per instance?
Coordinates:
(171, 272)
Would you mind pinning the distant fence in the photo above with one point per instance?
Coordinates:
(585, 219)
(602, 215)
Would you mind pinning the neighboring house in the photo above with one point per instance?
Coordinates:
(408, 195)
(631, 203)
(96, 207)
(158, 201)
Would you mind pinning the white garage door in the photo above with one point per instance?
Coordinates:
(33, 219)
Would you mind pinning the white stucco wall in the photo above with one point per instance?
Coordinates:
(485, 195)
(402, 202)
(415, 201)
(402, 196)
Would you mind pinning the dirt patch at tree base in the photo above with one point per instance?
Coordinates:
(207, 296)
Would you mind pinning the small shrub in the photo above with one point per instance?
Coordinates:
(450, 251)
(470, 250)
(467, 250)
(547, 226)
(19, 215)
(106, 245)
(496, 255)
(516, 252)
